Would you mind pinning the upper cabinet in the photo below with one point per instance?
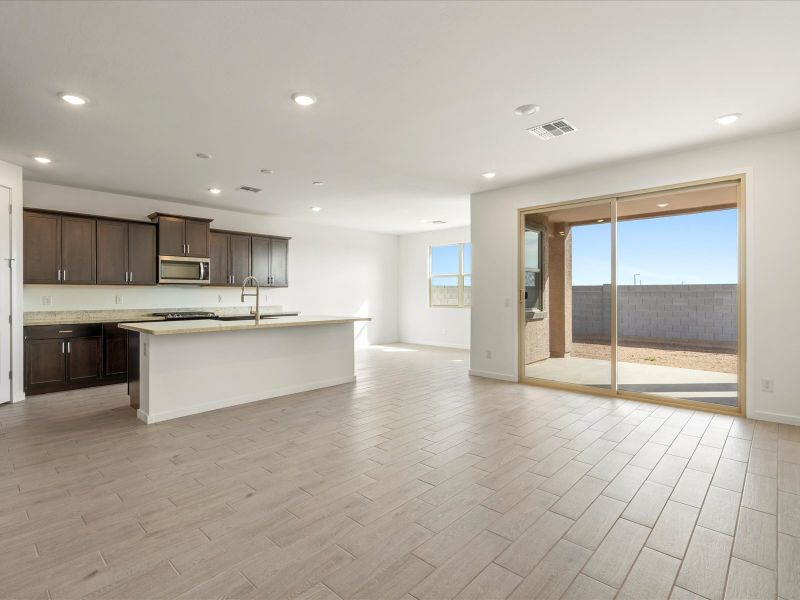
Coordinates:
(126, 253)
(182, 236)
(58, 248)
(270, 260)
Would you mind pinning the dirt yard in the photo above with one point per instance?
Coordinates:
(685, 359)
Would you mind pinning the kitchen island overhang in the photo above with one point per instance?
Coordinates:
(190, 367)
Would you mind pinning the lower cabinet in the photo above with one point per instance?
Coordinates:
(66, 357)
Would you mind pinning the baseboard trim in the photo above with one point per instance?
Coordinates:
(435, 344)
(238, 400)
(763, 415)
(492, 375)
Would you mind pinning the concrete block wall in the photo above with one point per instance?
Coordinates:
(698, 313)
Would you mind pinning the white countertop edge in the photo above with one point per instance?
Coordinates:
(210, 325)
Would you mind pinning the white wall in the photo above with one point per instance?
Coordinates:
(332, 270)
(11, 178)
(419, 323)
(773, 255)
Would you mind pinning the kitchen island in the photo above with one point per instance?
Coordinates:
(189, 367)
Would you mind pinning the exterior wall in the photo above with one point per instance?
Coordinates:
(696, 313)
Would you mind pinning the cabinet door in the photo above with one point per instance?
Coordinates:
(83, 359)
(261, 259)
(171, 239)
(142, 254)
(44, 363)
(41, 235)
(279, 262)
(197, 234)
(240, 258)
(77, 250)
(115, 355)
(112, 252)
(220, 259)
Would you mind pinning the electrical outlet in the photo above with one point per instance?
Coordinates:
(488, 354)
(47, 300)
(767, 385)
(118, 299)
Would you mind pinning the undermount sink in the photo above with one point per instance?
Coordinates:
(244, 317)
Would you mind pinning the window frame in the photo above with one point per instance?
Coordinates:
(539, 305)
(459, 276)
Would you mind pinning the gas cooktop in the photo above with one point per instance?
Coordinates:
(186, 315)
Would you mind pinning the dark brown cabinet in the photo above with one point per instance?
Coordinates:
(182, 236)
(64, 357)
(230, 258)
(58, 248)
(270, 261)
(126, 253)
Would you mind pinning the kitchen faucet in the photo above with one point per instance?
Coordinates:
(257, 310)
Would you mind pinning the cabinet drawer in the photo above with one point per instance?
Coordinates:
(43, 332)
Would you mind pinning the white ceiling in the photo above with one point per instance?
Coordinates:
(415, 99)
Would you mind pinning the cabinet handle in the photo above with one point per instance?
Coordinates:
(65, 331)
(131, 280)
(126, 277)
(64, 274)
(59, 274)
(188, 248)
(62, 347)
(68, 348)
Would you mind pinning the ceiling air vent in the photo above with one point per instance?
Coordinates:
(247, 188)
(553, 129)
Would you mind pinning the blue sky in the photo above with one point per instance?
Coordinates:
(695, 248)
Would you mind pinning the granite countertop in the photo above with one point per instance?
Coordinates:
(210, 325)
(135, 315)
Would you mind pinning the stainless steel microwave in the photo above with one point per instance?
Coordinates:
(183, 269)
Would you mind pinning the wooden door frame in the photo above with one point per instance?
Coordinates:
(740, 410)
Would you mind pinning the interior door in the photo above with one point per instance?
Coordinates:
(240, 258)
(78, 250)
(278, 260)
(7, 268)
(219, 258)
(196, 238)
(41, 247)
(142, 258)
(112, 252)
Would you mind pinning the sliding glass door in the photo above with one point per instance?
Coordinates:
(637, 295)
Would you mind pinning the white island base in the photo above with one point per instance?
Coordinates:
(193, 367)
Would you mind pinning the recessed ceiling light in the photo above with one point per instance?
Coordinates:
(317, 183)
(423, 220)
(439, 222)
(600, 220)
(527, 109)
(488, 175)
(304, 99)
(202, 155)
(42, 160)
(727, 119)
(663, 205)
(266, 171)
(214, 190)
(74, 99)
(316, 208)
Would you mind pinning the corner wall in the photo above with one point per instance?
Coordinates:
(11, 178)
(772, 252)
(332, 270)
(419, 323)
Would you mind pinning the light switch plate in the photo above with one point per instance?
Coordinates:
(118, 299)
(47, 300)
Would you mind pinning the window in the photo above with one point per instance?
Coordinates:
(533, 270)
(450, 275)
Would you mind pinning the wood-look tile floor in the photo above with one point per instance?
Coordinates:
(417, 482)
